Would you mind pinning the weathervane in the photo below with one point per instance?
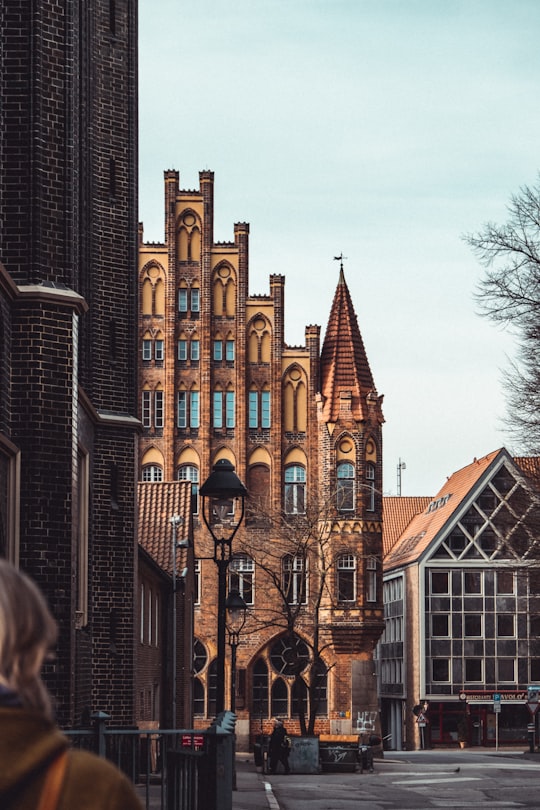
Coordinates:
(340, 260)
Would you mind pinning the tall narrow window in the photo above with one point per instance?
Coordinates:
(260, 688)
(218, 409)
(182, 300)
(295, 490)
(241, 575)
(265, 409)
(195, 350)
(371, 590)
(195, 300)
(190, 473)
(158, 409)
(194, 416)
(182, 349)
(159, 352)
(146, 409)
(218, 350)
(370, 477)
(293, 579)
(345, 487)
(229, 351)
(230, 409)
(253, 408)
(146, 349)
(181, 414)
(346, 578)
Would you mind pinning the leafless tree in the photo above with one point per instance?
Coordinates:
(509, 294)
(295, 554)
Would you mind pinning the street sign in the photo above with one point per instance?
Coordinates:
(496, 702)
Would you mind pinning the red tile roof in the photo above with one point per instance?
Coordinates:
(344, 363)
(530, 466)
(397, 514)
(158, 502)
(425, 526)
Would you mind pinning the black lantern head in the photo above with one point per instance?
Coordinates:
(223, 483)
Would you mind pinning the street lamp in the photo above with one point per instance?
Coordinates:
(218, 494)
(237, 609)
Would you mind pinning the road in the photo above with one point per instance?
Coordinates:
(420, 780)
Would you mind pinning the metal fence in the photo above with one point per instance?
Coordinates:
(179, 769)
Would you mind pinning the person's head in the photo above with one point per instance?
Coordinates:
(277, 722)
(27, 633)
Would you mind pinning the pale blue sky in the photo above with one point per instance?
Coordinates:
(383, 129)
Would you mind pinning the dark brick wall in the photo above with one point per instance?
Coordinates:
(68, 222)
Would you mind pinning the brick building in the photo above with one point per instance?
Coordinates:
(303, 427)
(68, 247)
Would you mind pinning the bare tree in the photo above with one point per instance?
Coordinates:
(296, 555)
(509, 294)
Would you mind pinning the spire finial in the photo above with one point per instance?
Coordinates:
(340, 259)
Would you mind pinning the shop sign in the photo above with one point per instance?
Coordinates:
(487, 697)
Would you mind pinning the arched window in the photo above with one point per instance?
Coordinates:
(293, 579)
(295, 490)
(190, 473)
(152, 472)
(260, 689)
(321, 687)
(280, 699)
(345, 486)
(299, 697)
(241, 576)
(346, 578)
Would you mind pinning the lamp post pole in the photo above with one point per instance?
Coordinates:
(219, 492)
(237, 610)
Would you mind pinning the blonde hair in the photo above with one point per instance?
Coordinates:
(27, 633)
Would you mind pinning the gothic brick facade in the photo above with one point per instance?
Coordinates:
(303, 427)
(68, 222)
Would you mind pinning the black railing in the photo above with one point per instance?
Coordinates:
(171, 769)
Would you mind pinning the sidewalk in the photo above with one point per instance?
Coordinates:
(250, 793)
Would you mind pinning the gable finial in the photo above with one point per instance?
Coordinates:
(340, 259)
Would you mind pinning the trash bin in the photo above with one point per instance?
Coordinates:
(338, 753)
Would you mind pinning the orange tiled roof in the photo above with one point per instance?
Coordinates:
(344, 363)
(398, 512)
(158, 502)
(530, 466)
(425, 526)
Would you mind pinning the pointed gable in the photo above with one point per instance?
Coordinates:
(426, 526)
(345, 370)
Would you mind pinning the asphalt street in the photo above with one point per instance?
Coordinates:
(417, 781)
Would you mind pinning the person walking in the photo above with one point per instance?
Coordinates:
(37, 767)
(280, 747)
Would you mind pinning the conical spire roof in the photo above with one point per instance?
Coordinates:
(344, 363)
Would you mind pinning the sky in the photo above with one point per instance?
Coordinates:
(383, 130)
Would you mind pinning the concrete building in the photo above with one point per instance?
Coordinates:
(462, 608)
(68, 406)
(303, 427)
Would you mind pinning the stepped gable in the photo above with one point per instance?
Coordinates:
(398, 511)
(344, 363)
(158, 502)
